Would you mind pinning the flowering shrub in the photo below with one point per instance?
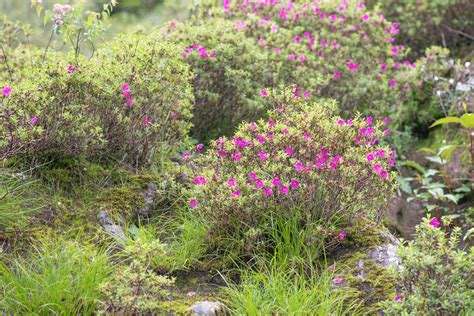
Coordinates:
(129, 101)
(335, 49)
(436, 274)
(425, 23)
(228, 72)
(303, 160)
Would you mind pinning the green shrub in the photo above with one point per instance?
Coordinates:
(426, 23)
(228, 73)
(57, 278)
(134, 287)
(305, 161)
(436, 274)
(127, 103)
(326, 49)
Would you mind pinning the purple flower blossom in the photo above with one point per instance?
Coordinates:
(6, 91)
(435, 222)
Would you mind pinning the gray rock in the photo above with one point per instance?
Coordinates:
(207, 308)
(110, 226)
(149, 197)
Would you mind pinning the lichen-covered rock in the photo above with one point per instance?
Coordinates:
(364, 267)
(110, 226)
(207, 308)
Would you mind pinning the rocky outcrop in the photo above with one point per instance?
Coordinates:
(207, 308)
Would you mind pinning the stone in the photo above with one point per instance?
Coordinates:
(207, 308)
(110, 226)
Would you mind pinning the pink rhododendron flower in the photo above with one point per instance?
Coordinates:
(370, 157)
(268, 191)
(146, 121)
(34, 120)
(337, 280)
(291, 56)
(276, 182)
(294, 184)
(392, 83)
(231, 182)
(200, 180)
(399, 298)
(193, 203)
(289, 151)
(302, 58)
(70, 68)
(307, 94)
(252, 176)
(271, 123)
(341, 235)
(349, 122)
(383, 68)
(186, 155)
(263, 93)
(199, 147)
(340, 122)
(297, 39)
(284, 189)
(377, 167)
(6, 91)
(386, 120)
(383, 174)
(299, 166)
(222, 153)
(369, 120)
(259, 183)
(435, 222)
(237, 157)
(235, 193)
(387, 132)
(262, 155)
(365, 17)
(336, 75)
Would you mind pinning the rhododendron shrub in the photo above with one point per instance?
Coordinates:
(130, 100)
(303, 162)
(227, 73)
(424, 22)
(436, 273)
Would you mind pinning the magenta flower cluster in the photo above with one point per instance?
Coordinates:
(127, 94)
(201, 50)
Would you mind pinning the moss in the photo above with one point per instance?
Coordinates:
(365, 234)
(124, 201)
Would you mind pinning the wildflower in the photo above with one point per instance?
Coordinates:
(125, 87)
(302, 58)
(383, 68)
(369, 120)
(365, 17)
(199, 147)
(336, 75)
(70, 68)
(285, 132)
(200, 180)
(399, 298)
(6, 91)
(193, 203)
(341, 235)
(377, 167)
(284, 189)
(231, 182)
(349, 122)
(383, 174)
(186, 155)
(289, 151)
(222, 153)
(370, 157)
(237, 157)
(291, 56)
(294, 184)
(261, 139)
(259, 183)
(268, 191)
(235, 193)
(307, 94)
(263, 93)
(262, 155)
(387, 132)
(252, 176)
(146, 121)
(297, 39)
(34, 120)
(340, 122)
(392, 83)
(271, 123)
(353, 66)
(130, 101)
(299, 166)
(276, 182)
(337, 280)
(386, 121)
(435, 222)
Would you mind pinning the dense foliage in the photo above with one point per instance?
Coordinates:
(304, 159)
(130, 101)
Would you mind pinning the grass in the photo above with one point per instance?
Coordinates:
(56, 278)
(276, 289)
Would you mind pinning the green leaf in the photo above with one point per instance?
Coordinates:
(415, 165)
(446, 120)
(467, 120)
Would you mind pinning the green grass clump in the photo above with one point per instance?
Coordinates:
(56, 278)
